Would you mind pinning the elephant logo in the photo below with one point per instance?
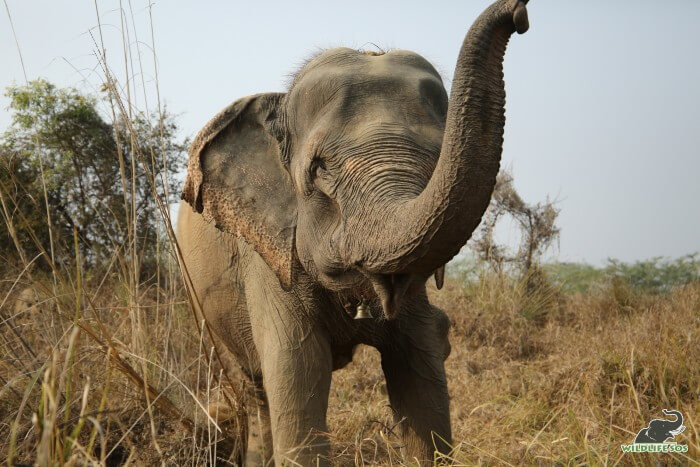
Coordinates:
(655, 436)
(659, 430)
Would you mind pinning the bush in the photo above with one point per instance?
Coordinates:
(64, 168)
(656, 275)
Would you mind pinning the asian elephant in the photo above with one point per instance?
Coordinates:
(660, 430)
(346, 192)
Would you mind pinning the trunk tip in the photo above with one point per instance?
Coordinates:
(520, 19)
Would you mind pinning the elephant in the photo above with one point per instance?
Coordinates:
(313, 218)
(660, 430)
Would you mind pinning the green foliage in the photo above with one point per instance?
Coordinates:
(656, 275)
(575, 277)
(60, 150)
(467, 267)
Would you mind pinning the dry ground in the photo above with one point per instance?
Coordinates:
(536, 378)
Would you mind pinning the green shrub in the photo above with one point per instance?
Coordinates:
(574, 277)
(656, 275)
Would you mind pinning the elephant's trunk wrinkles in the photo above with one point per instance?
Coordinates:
(421, 234)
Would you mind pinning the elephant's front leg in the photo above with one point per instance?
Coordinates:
(413, 364)
(296, 363)
(297, 383)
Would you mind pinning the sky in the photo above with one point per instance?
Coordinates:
(603, 97)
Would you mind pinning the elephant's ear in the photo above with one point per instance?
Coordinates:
(236, 179)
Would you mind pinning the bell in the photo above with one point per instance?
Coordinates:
(363, 311)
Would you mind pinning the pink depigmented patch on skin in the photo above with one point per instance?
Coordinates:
(353, 165)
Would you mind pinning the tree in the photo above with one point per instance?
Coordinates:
(537, 223)
(59, 150)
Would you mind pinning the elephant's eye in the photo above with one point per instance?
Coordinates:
(318, 177)
(316, 168)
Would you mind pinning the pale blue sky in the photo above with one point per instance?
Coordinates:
(603, 106)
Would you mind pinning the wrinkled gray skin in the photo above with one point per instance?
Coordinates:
(355, 186)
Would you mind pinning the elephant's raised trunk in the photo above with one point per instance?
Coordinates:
(677, 423)
(423, 233)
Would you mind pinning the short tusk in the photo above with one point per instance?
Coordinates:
(439, 277)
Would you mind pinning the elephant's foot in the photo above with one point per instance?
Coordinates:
(260, 449)
(232, 441)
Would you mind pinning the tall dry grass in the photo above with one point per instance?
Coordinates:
(102, 384)
(111, 369)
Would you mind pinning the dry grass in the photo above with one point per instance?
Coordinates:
(566, 384)
(116, 381)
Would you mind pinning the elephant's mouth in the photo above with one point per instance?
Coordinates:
(373, 290)
(391, 290)
(360, 287)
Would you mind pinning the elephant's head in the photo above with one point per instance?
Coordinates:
(362, 173)
(660, 430)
